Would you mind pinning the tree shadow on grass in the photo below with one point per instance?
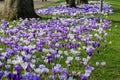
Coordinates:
(117, 10)
(114, 21)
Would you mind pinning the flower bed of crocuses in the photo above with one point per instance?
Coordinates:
(91, 8)
(56, 49)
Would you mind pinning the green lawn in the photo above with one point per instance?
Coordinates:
(112, 54)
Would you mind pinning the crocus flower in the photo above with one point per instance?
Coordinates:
(31, 76)
(83, 77)
(52, 77)
(18, 67)
(90, 50)
(1, 74)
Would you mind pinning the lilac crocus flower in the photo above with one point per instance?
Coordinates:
(63, 77)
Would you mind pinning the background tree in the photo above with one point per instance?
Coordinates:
(72, 3)
(78, 2)
(14, 9)
(67, 2)
(82, 2)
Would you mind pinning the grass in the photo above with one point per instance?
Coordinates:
(112, 53)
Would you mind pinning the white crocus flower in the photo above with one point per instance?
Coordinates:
(84, 59)
(38, 70)
(1, 49)
(58, 56)
(84, 47)
(21, 39)
(0, 63)
(88, 58)
(24, 66)
(60, 52)
(71, 36)
(9, 61)
(46, 60)
(3, 53)
(32, 65)
(28, 56)
(103, 63)
(57, 44)
(77, 58)
(85, 63)
(66, 53)
(33, 60)
(69, 58)
(45, 50)
(66, 40)
(97, 63)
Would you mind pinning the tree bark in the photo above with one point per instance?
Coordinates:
(78, 2)
(67, 3)
(15, 9)
(84, 1)
(72, 3)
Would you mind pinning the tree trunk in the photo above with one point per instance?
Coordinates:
(14, 9)
(67, 3)
(72, 3)
(82, 2)
(78, 2)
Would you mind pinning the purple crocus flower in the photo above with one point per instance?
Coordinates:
(10, 76)
(16, 77)
(83, 77)
(18, 67)
(25, 59)
(90, 51)
(52, 77)
(66, 72)
(57, 69)
(28, 69)
(89, 68)
(96, 44)
(50, 59)
(1, 74)
(31, 76)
